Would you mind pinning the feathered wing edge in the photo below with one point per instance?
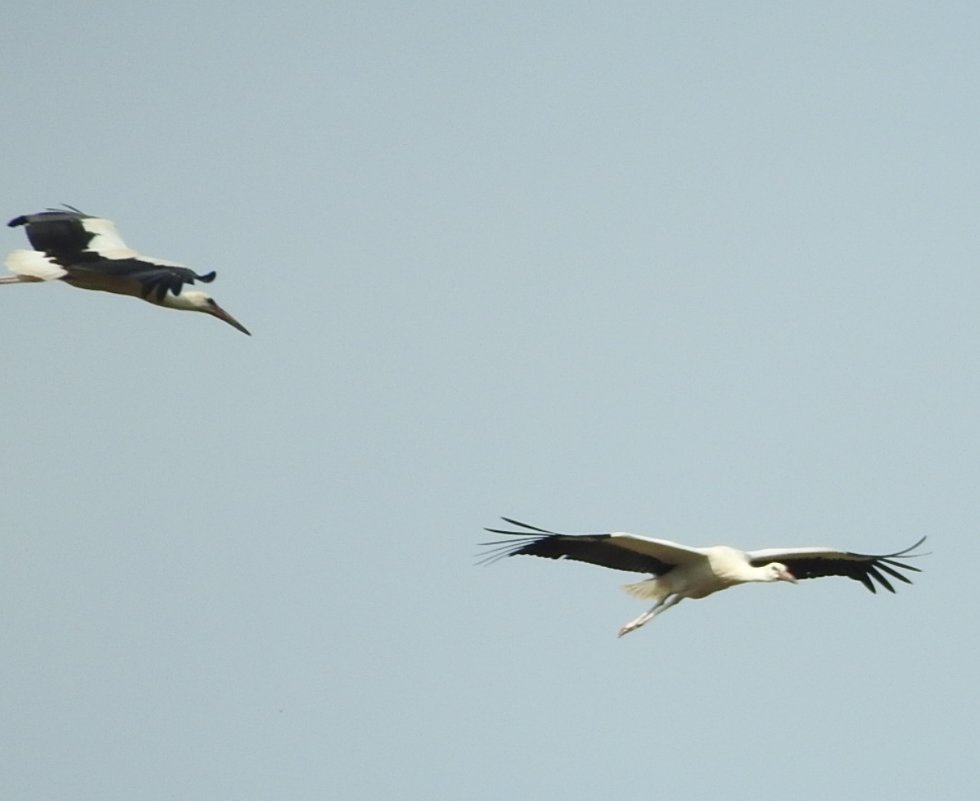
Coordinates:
(617, 551)
(866, 568)
(500, 549)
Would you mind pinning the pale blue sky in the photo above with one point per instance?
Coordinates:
(700, 271)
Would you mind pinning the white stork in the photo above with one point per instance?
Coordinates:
(680, 571)
(88, 252)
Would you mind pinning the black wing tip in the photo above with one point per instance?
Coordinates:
(71, 211)
(500, 549)
(873, 577)
(207, 278)
(908, 551)
(875, 574)
(27, 219)
(527, 526)
(905, 552)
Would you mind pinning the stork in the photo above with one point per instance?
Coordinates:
(88, 252)
(680, 571)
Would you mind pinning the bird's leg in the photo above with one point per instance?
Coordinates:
(635, 624)
(660, 606)
(19, 279)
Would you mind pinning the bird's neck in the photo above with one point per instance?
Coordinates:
(172, 301)
(744, 573)
(760, 574)
(730, 568)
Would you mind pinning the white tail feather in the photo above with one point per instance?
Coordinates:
(33, 264)
(651, 589)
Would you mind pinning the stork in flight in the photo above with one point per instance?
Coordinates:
(88, 252)
(680, 571)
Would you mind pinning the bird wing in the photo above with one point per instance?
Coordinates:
(618, 550)
(89, 248)
(155, 277)
(70, 233)
(807, 563)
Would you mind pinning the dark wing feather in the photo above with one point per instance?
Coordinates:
(58, 233)
(596, 549)
(63, 235)
(155, 279)
(872, 570)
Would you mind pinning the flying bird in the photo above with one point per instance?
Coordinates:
(88, 252)
(680, 571)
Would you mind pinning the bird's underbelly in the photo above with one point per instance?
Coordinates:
(119, 285)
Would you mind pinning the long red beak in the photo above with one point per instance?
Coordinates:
(221, 314)
(787, 576)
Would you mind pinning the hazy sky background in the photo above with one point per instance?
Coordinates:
(702, 271)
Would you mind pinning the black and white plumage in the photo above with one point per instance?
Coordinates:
(680, 571)
(87, 252)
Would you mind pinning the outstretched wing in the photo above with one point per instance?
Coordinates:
(70, 234)
(90, 249)
(154, 276)
(616, 550)
(807, 563)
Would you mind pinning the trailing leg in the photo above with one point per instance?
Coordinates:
(661, 606)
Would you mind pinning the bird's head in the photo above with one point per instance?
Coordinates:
(776, 571)
(192, 300)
